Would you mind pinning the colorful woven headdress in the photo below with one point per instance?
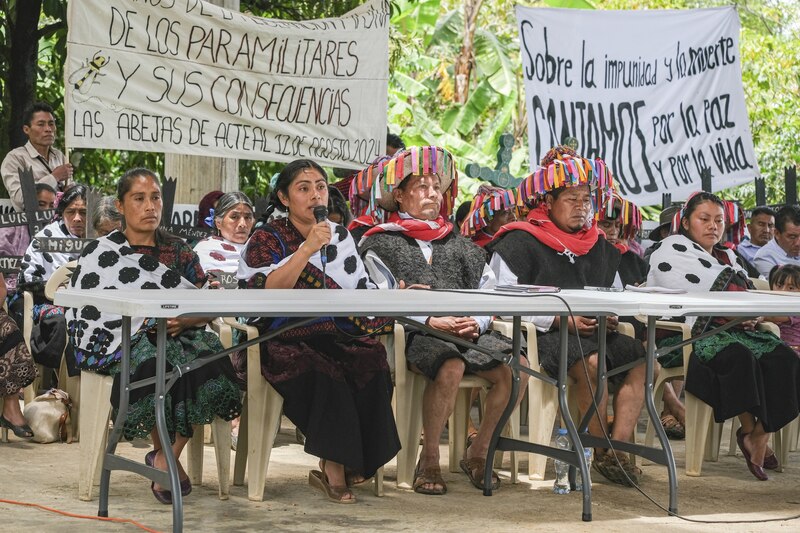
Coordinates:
(383, 176)
(486, 203)
(618, 208)
(734, 215)
(563, 167)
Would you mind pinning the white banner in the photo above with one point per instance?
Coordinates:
(657, 94)
(189, 77)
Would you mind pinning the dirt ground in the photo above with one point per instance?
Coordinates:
(46, 474)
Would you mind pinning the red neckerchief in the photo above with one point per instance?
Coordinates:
(363, 220)
(539, 225)
(622, 247)
(416, 229)
(482, 238)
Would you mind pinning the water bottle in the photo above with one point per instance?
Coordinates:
(561, 485)
(587, 453)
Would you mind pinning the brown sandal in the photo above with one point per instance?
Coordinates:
(431, 475)
(672, 427)
(474, 468)
(319, 480)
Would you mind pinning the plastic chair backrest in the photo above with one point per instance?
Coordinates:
(59, 279)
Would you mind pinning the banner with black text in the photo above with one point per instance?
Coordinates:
(656, 94)
(189, 77)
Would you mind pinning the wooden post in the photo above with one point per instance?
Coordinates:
(790, 177)
(199, 175)
(761, 191)
(705, 180)
(666, 200)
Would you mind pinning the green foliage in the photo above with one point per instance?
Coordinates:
(770, 49)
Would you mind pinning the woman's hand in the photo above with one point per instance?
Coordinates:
(751, 325)
(175, 326)
(318, 236)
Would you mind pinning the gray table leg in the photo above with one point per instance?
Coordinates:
(122, 415)
(654, 418)
(509, 410)
(161, 425)
(563, 407)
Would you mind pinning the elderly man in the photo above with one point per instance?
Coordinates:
(784, 249)
(761, 228)
(38, 154)
(417, 245)
(559, 245)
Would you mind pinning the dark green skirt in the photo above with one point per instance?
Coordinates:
(195, 399)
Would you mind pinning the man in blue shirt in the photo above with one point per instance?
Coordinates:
(785, 247)
(761, 228)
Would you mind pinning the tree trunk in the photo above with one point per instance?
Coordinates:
(465, 62)
(22, 67)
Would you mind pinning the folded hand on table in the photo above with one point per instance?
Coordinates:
(462, 326)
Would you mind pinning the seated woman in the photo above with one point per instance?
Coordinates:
(17, 371)
(338, 212)
(786, 278)
(106, 218)
(491, 209)
(49, 333)
(334, 380)
(739, 372)
(144, 257)
(232, 221)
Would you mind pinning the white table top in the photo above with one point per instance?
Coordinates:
(305, 302)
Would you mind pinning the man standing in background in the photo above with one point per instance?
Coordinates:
(47, 163)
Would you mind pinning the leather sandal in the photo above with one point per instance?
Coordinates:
(163, 496)
(474, 468)
(756, 470)
(672, 427)
(617, 469)
(354, 479)
(771, 462)
(185, 484)
(22, 431)
(431, 475)
(319, 480)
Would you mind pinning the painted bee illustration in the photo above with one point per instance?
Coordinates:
(83, 78)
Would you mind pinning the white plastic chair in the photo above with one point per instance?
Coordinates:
(409, 389)
(95, 391)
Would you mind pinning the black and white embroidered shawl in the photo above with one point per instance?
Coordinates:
(679, 262)
(110, 263)
(37, 265)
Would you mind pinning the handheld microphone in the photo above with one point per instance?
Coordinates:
(320, 214)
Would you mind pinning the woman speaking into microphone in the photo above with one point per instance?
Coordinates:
(334, 377)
